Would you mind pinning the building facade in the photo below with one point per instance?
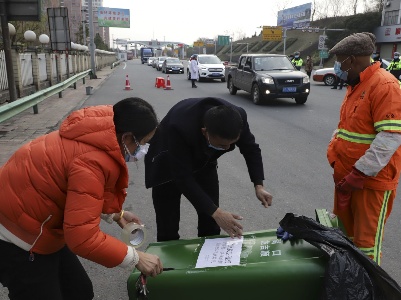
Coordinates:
(77, 15)
(388, 35)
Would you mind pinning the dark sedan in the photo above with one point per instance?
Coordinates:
(172, 65)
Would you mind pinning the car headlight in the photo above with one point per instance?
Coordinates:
(268, 80)
(305, 80)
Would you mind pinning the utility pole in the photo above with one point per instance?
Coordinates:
(231, 48)
(12, 91)
(91, 39)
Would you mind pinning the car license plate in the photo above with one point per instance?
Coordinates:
(215, 74)
(289, 89)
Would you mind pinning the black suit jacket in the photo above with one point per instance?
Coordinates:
(179, 149)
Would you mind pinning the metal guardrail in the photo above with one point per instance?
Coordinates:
(9, 110)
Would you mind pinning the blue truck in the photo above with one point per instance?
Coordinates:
(146, 53)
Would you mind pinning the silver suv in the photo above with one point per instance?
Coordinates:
(210, 67)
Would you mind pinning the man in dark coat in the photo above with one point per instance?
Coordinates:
(182, 160)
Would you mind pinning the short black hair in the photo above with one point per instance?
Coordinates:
(223, 121)
(134, 115)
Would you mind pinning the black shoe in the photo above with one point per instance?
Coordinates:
(194, 86)
(334, 87)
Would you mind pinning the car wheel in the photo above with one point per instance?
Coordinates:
(256, 97)
(329, 80)
(223, 80)
(301, 99)
(188, 75)
(231, 88)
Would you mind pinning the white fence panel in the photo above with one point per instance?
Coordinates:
(3, 72)
(42, 67)
(26, 69)
(54, 67)
(63, 64)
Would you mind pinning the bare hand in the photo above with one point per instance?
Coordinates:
(265, 197)
(149, 264)
(227, 222)
(128, 217)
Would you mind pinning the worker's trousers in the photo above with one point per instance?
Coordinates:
(365, 218)
(56, 276)
(167, 202)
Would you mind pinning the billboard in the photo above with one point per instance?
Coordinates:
(113, 17)
(295, 17)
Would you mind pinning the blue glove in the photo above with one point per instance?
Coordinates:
(283, 235)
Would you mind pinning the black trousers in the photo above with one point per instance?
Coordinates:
(193, 82)
(167, 201)
(57, 276)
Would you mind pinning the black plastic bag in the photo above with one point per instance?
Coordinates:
(350, 274)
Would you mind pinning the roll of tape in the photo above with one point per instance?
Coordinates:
(134, 234)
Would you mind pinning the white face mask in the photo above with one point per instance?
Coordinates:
(139, 153)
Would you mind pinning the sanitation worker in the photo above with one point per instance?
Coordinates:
(182, 160)
(53, 193)
(364, 150)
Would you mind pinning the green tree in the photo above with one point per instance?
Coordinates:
(366, 22)
(100, 44)
(80, 36)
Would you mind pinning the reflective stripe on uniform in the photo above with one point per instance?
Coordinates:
(394, 125)
(354, 137)
(375, 251)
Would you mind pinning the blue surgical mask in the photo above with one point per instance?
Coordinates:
(340, 63)
(396, 56)
(214, 147)
(296, 56)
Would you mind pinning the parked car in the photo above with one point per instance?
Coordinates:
(150, 60)
(210, 67)
(172, 65)
(328, 76)
(159, 62)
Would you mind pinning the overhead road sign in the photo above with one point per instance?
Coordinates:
(223, 40)
(23, 10)
(272, 33)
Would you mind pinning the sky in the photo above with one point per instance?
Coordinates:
(187, 21)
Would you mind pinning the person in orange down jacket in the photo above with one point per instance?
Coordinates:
(364, 150)
(54, 191)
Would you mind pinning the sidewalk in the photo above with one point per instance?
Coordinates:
(27, 126)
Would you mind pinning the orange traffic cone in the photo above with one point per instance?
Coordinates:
(168, 84)
(127, 84)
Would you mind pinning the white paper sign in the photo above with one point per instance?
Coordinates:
(220, 252)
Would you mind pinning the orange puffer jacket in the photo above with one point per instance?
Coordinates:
(54, 188)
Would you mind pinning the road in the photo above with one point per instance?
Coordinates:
(293, 139)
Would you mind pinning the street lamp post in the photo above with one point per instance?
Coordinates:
(231, 48)
(247, 44)
(7, 30)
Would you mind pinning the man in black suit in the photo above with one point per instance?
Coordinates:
(182, 160)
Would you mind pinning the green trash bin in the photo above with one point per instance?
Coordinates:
(265, 268)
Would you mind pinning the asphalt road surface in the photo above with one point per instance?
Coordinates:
(293, 139)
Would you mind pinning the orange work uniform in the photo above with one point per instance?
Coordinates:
(371, 106)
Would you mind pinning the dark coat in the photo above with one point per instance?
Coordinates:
(179, 149)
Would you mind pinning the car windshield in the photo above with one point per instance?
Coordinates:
(209, 60)
(161, 59)
(173, 60)
(269, 63)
